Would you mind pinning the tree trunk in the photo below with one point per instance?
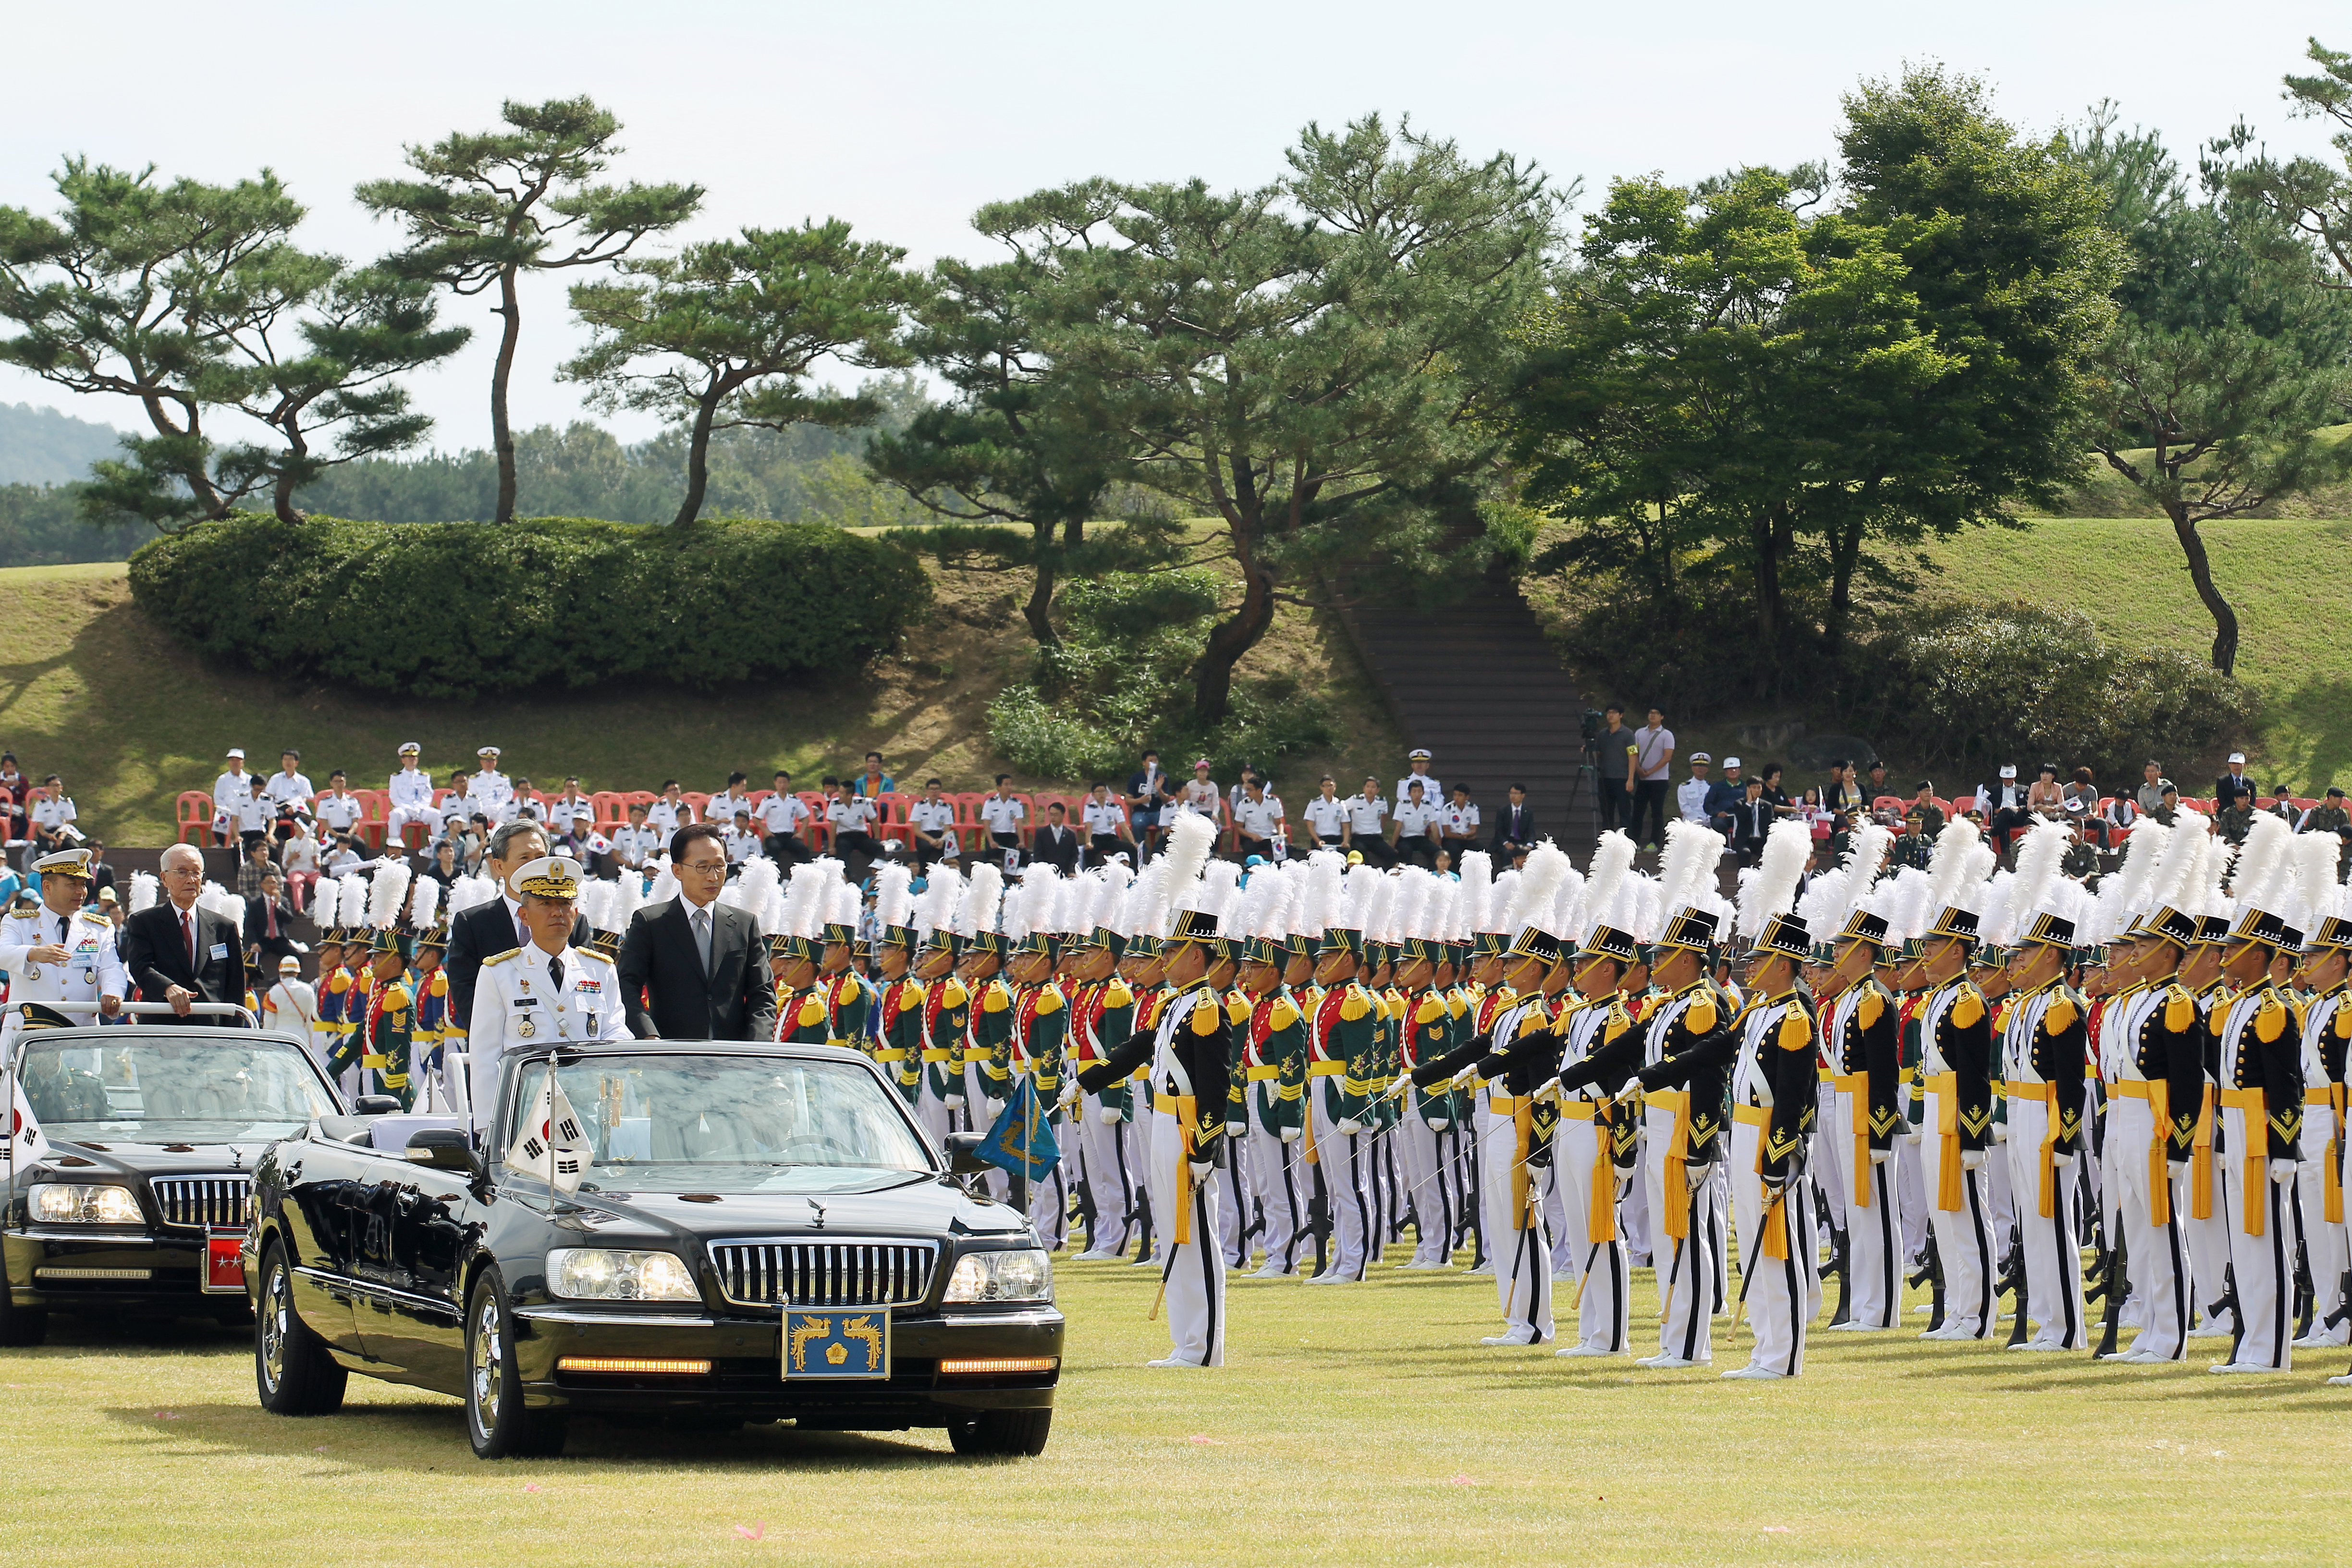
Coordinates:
(697, 455)
(199, 483)
(1767, 591)
(502, 434)
(1213, 678)
(1038, 611)
(2200, 573)
(281, 495)
(1845, 555)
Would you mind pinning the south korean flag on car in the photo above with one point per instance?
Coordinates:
(27, 1145)
(552, 1144)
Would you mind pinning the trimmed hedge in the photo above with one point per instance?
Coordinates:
(458, 609)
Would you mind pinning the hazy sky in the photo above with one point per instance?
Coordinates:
(904, 118)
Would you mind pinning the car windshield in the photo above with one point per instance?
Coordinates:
(730, 1124)
(157, 1086)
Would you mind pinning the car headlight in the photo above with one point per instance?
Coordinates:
(1026, 1275)
(79, 1203)
(602, 1274)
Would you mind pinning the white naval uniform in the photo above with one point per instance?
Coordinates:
(1587, 1179)
(411, 793)
(1873, 1247)
(2256, 1212)
(1694, 1265)
(492, 794)
(1783, 1294)
(2053, 1258)
(2208, 1238)
(1522, 1256)
(1964, 1233)
(1194, 1278)
(2322, 1139)
(1423, 1124)
(518, 1005)
(2153, 1256)
(91, 972)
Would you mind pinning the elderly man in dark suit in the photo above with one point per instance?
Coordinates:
(494, 927)
(181, 953)
(692, 968)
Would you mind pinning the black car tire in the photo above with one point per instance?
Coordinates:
(1004, 1434)
(21, 1327)
(496, 1422)
(292, 1371)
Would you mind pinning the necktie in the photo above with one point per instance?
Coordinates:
(702, 937)
(269, 917)
(188, 929)
(555, 972)
(61, 929)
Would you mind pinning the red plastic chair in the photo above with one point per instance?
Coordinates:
(194, 809)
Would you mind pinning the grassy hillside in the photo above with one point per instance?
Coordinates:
(91, 691)
(2286, 577)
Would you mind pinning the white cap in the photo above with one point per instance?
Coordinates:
(1731, 761)
(238, 752)
(2235, 756)
(2009, 770)
(486, 751)
(408, 746)
(290, 964)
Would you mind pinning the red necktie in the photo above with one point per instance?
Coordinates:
(188, 929)
(270, 912)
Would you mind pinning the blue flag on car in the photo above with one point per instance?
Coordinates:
(1022, 1140)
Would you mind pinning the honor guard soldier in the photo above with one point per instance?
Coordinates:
(1773, 1104)
(1187, 1056)
(2327, 1035)
(849, 996)
(541, 994)
(899, 1013)
(1427, 1034)
(1687, 1048)
(2257, 1139)
(334, 999)
(946, 1007)
(1041, 1024)
(801, 1014)
(434, 1034)
(1341, 1059)
(62, 952)
(1274, 1058)
(1600, 1049)
(1864, 1036)
(1144, 968)
(2152, 1060)
(388, 1017)
(1235, 1226)
(2044, 1046)
(1956, 1056)
(2206, 1228)
(986, 1056)
(1102, 1015)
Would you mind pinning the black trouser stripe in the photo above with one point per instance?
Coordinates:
(1984, 1230)
(2070, 1306)
(1886, 1252)
(1363, 1213)
(1290, 1198)
(1618, 1293)
(2282, 1276)
(2179, 1288)
(1794, 1216)
(1203, 1244)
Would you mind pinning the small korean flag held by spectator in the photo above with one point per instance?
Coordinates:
(551, 1145)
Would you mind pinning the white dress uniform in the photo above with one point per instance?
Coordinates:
(2133, 1152)
(521, 1002)
(1783, 1294)
(492, 794)
(1693, 1264)
(1194, 1276)
(1964, 1232)
(411, 793)
(1518, 1242)
(92, 971)
(2326, 1019)
(1581, 1160)
(2053, 1260)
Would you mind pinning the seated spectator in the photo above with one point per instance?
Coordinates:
(2167, 809)
(1923, 803)
(254, 814)
(637, 840)
(2151, 793)
(256, 866)
(443, 867)
(671, 812)
(53, 817)
(527, 806)
(1690, 795)
(1150, 791)
(851, 818)
(1105, 821)
(1458, 823)
(102, 875)
(2283, 807)
(740, 841)
(1201, 792)
(1515, 828)
(572, 815)
(721, 808)
(1415, 824)
(1001, 813)
(1367, 822)
(1258, 820)
(1774, 795)
(1813, 814)
(1913, 848)
(1723, 794)
(268, 922)
(1443, 866)
(1327, 815)
(344, 857)
(1844, 795)
(2043, 797)
(933, 819)
(300, 856)
(1057, 841)
(873, 784)
(781, 816)
(1751, 820)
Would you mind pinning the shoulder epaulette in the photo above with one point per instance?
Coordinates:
(502, 957)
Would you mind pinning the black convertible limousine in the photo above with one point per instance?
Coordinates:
(758, 1232)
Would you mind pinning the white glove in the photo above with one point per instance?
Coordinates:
(1292, 1134)
(1972, 1159)
(1699, 1175)
(1349, 1127)
(1069, 1098)
(1913, 1133)
(2176, 1167)
(1437, 1123)
(1203, 1169)
(1466, 1079)
(2282, 1171)
(2062, 1161)
(955, 1101)
(1880, 1156)
(1236, 1129)
(1550, 1089)
(1108, 1115)
(2000, 1131)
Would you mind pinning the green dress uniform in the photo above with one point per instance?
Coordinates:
(899, 1036)
(1274, 1070)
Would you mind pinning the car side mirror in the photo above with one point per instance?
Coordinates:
(375, 1105)
(444, 1149)
(963, 1160)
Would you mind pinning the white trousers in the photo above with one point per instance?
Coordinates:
(2053, 1257)
(1874, 1258)
(1110, 1176)
(1429, 1192)
(1603, 1298)
(2262, 1266)
(1232, 1199)
(1691, 1270)
(1965, 1245)
(1522, 1257)
(1910, 1197)
(2325, 1239)
(2207, 1243)
(1194, 1278)
(996, 1183)
(2153, 1257)
(1833, 1153)
(1348, 1187)
(1784, 1294)
(1281, 1186)
(400, 817)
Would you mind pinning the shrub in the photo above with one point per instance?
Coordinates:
(2016, 681)
(1117, 684)
(453, 610)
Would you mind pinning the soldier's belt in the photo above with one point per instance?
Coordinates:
(2025, 1088)
(1260, 1074)
(2320, 1096)
(1504, 1104)
(891, 1054)
(1578, 1109)
(939, 1053)
(2254, 1106)
(1752, 1115)
(2129, 1088)
(375, 1061)
(1854, 1083)
(1325, 1069)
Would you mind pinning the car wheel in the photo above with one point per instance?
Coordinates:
(1004, 1434)
(21, 1326)
(291, 1369)
(496, 1422)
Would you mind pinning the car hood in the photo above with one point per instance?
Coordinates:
(118, 1156)
(920, 1208)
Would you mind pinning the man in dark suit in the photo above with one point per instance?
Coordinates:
(692, 968)
(180, 953)
(2234, 788)
(1515, 828)
(495, 927)
(1057, 841)
(269, 917)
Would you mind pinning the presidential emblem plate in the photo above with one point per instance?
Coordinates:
(841, 1344)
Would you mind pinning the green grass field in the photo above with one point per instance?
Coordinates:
(2290, 581)
(1353, 1425)
(90, 690)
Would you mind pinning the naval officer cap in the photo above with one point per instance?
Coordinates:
(65, 863)
(548, 876)
(411, 748)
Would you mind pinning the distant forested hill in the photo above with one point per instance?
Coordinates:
(43, 447)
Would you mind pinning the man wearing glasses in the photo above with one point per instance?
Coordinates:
(699, 965)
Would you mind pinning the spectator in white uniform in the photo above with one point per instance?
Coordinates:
(781, 813)
(671, 812)
(286, 787)
(1258, 818)
(230, 791)
(411, 793)
(1690, 795)
(1432, 792)
(492, 793)
(1367, 812)
(933, 820)
(1002, 813)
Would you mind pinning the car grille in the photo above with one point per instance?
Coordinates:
(203, 1203)
(825, 1273)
